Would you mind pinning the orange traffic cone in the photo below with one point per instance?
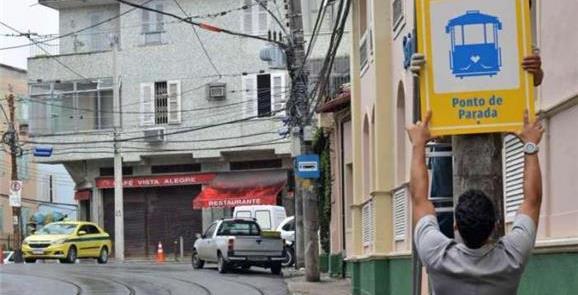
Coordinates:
(160, 257)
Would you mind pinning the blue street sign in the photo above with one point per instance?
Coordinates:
(307, 166)
(42, 151)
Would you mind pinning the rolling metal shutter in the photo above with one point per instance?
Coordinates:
(154, 215)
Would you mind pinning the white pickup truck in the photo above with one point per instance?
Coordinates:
(238, 243)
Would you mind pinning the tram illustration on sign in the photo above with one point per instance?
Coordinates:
(475, 48)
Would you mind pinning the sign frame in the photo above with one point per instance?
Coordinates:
(447, 109)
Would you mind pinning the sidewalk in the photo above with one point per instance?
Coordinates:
(297, 285)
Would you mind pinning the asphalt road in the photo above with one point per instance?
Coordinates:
(133, 279)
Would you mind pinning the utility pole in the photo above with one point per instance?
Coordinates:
(478, 165)
(118, 185)
(51, 193)
(11, 138)
(306, 198)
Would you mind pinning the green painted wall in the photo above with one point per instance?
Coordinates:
(323, 263)
(400, 276)
(382, 277)
(335, 265)
(550, 274)
(545, 274)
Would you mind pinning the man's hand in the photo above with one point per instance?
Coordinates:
(419, 133)
(417, 63)
(532, 131)
(533, 65)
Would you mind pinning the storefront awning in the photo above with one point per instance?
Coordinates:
(242, 188)
(212, 197)
(82, 195)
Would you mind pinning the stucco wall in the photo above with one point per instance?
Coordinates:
(180, 57)
(558, 46)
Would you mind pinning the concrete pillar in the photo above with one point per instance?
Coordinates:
(356, 134)
(383, 129)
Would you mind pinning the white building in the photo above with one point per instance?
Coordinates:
(184, 127)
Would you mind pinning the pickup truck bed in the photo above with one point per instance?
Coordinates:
(239, 243)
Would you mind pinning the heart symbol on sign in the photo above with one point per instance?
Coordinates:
(475, 58)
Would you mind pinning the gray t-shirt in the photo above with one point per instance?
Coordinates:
(493, 269)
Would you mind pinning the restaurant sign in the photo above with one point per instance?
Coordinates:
(156, 180)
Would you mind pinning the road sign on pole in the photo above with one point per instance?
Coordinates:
(308, 166)
(15, 193)
(473, 81)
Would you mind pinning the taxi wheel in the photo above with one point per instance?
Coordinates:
(72, 255)
(103, 257)
(30, 260)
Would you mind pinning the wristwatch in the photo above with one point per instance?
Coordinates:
(530, 148)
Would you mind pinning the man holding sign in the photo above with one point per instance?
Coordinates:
(474, 83)
(476, 265)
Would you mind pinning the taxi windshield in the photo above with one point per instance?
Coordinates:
(57, 229)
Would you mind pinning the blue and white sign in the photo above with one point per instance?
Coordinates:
(307, 166)
(472, 47)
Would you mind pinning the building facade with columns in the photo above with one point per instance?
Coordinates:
(379, 252)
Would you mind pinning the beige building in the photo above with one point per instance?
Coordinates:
(378, 255)
(14, 80)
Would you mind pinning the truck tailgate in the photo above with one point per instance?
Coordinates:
(258, 246)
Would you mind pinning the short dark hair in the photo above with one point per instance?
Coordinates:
(475, 218)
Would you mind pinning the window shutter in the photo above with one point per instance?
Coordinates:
(513, 165)
(279, 89)
(250, 95)
(263, 18)
(248, 16)
(145, 19)
(367, 224)
(159, 25)
(400, 214)
(174, 103)
(147, 104)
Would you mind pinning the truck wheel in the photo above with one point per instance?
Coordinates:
(196, 261)
(30, 260)
(289, 257)
(276, 268)
(222, 265)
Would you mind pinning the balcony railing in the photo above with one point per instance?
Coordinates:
(81, 42)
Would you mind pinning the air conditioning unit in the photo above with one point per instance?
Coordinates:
(154, 135)
(216, 91)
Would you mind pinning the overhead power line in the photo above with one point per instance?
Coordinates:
(204, 26)
(45, 51)
(200, 41)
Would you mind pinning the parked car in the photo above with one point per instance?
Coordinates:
(8, 257)
(268, 217)
(238, 243)
(287, 230)
(67, 241)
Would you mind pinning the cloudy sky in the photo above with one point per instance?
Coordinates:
(23, 15)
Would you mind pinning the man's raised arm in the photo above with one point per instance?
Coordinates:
(531, 136)
(419, 135)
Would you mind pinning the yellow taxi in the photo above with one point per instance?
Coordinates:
(67, 241)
